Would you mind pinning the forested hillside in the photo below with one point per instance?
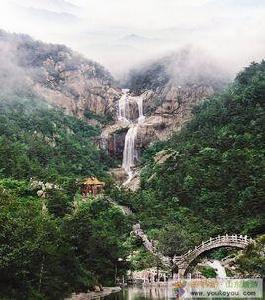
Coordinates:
(53, 245)
(208, 179)
(42, 142)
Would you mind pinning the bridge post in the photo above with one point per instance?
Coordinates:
(181, 272)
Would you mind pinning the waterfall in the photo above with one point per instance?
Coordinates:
(129, 153)
(140, 109)
(129, 149)
(123, 106)
(217, 266)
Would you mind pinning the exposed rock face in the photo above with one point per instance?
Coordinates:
(62, 77)
(41, 188)
(134, 183)
(118, 174)
(171, 87)
(162, 156)
(113, 139)
(150, 245)
(173, 112)
(161, 120)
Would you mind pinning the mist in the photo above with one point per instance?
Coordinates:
(14, 80)
(124, 34)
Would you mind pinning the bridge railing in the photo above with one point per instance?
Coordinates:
(233, 239)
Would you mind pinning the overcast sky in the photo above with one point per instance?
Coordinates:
(123, 33)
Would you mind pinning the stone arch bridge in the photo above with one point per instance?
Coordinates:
(234, 241)
(183, 261)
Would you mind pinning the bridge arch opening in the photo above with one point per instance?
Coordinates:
(234, 241)
(207, 256)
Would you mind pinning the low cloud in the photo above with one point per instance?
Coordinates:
(13, 78)
(123, 33)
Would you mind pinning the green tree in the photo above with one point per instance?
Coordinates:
(32, 253)
(252, 261)
(97, 230)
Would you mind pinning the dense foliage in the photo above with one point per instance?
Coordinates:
(38, 141)
(53, 246)
(252, 261)
(46, 255)
(208, 272)
(206, 180)
(209, 178)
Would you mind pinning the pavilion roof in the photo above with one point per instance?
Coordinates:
(93, 181)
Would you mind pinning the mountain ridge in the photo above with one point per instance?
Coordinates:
(61, 76)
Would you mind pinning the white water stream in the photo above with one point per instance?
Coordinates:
(123, 106)
(217, 266)
(129, 152)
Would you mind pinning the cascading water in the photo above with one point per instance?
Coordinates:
(123, 106)
(129, 153)
(140, 109)
(220, 270)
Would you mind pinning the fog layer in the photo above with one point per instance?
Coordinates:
(122, 33)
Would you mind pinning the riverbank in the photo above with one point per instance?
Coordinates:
(95, 295)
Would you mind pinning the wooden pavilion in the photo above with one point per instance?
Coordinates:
(91, 186)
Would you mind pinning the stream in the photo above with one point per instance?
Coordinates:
(139, 293)
(217, 266)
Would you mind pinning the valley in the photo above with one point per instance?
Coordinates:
(179, 153)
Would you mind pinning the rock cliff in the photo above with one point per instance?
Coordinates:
(170, 87)
(62, 77)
